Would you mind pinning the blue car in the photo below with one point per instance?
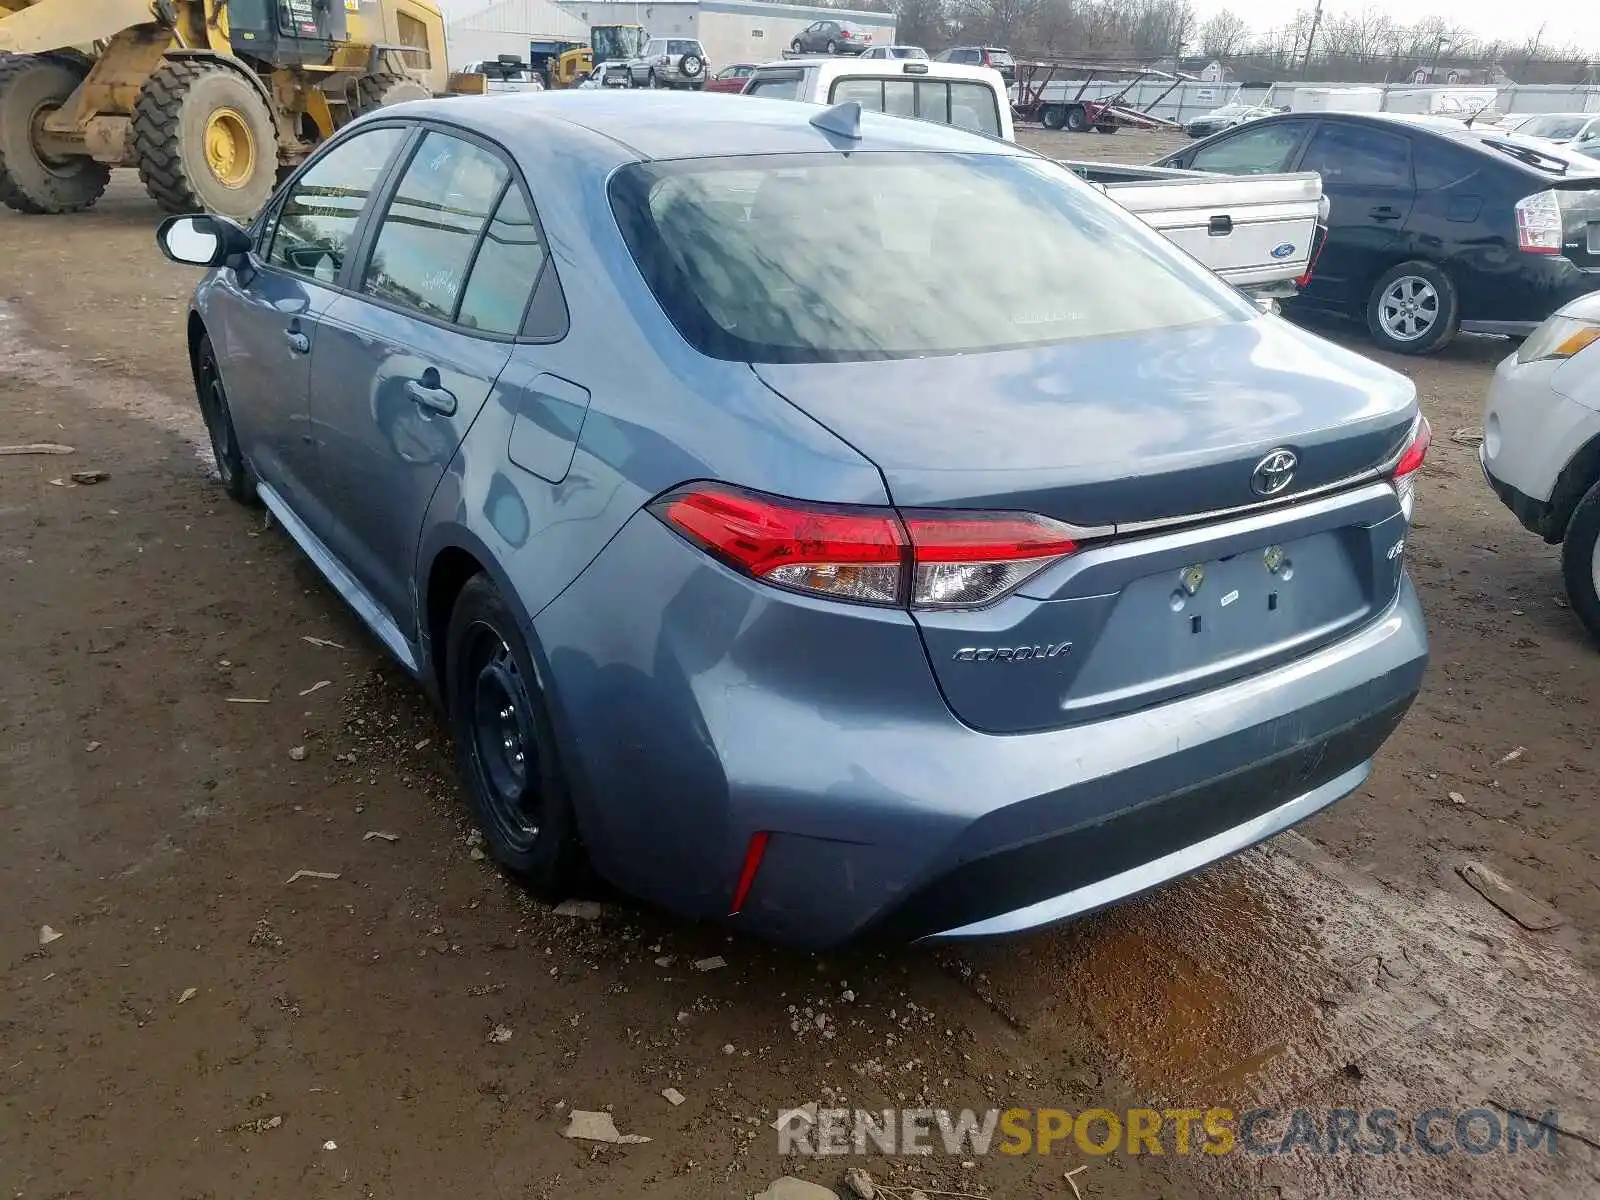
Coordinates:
(830, 523)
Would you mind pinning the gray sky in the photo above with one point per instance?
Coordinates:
(1566, 21)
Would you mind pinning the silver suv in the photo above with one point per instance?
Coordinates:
(670, 62)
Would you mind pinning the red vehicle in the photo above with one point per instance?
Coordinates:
(731, 79)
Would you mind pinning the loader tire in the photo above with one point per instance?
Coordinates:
(378, 91)
(204, 140)
(30, 182)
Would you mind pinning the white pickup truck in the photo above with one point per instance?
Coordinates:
(1258, 232)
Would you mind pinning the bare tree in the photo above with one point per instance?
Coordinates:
(1223, 35)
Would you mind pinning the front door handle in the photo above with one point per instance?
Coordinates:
(299, 343)
(429, 394)
(1384, 212)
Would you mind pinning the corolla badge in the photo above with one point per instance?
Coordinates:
(1283, 250)
(1274, 472)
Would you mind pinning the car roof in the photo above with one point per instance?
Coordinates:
(641, 124)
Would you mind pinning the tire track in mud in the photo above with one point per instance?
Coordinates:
(1286, 979)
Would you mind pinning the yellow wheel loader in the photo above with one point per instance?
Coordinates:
(209, 99)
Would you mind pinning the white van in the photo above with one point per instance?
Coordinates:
(972, 98)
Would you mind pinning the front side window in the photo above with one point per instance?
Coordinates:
(315, 225)
(813, 258)
(1259, 151)
(430, 233)
(1356, 156)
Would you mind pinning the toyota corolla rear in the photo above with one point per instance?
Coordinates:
(1132, 598)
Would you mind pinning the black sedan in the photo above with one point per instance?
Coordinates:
(1433, 226)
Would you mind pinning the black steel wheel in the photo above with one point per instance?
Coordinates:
(232, 469)
(505, 744)
(1077, 119)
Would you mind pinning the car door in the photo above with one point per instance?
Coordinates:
(1366, 176)
(264, 318)
(408, 357)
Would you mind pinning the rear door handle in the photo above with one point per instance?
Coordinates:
(427, 393)
(1384, 212)
(299, 343)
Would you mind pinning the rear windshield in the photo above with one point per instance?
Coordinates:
(682, 47)
(973, 106)
(825, 257)
(1000, 58)
(1544, 157)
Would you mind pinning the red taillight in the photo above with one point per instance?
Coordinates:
(1539, 225)
(934, 559)
(852, 553)
(1316, 253)
(845, 33)
(1415, 453)
(747, 873)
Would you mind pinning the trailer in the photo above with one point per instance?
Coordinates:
(1044, 93)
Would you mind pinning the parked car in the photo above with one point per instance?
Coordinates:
(1103, 584)
(1227, 117)
(1588, 145)
(894, 52)
(670, 62)
(506, 74)
(1560, 128)
(1541, 445)
(731, 79)
(1433, 226)
(832, 37)
(609, 74)
(994, 57)
(1256, 232)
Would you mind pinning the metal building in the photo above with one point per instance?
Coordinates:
(485, 29)
(732, 31)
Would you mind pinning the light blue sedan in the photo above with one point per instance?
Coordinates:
(817, 520)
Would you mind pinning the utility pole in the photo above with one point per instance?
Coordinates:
(1316, 20)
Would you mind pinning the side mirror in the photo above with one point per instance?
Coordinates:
(205, 240)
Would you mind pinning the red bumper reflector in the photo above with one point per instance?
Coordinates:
(747, 873)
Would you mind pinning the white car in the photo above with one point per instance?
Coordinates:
(1560, 128)
(506, 74)
(1541, 444)
(894, 52)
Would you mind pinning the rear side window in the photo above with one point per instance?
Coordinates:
(506, 269)
(779, 85)
(1358, 156)
(1258, 151)
(311, 233)
(812, 258)
(1438, 164)
(430, 233)
(966, 105)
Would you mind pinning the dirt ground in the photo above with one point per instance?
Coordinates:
(203, 1028)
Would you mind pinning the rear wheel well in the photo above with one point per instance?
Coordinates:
(1574, 482)
(451, 571)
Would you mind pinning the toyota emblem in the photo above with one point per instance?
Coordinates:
(1275, 472)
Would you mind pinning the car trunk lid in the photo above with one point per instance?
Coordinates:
(1185, 577)
(1580, 219)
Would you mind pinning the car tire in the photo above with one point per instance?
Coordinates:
(1106, 128)
(1077, 119)
(232, 469)
(690, 66)
(1580, 561)
(833, 47)
(651, 80)
(505, 744)
(1054, 116)
(1414, 308)
(794, 46)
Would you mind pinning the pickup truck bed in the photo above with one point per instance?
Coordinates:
(1256, 231)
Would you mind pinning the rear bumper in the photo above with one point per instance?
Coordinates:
(712, 708)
